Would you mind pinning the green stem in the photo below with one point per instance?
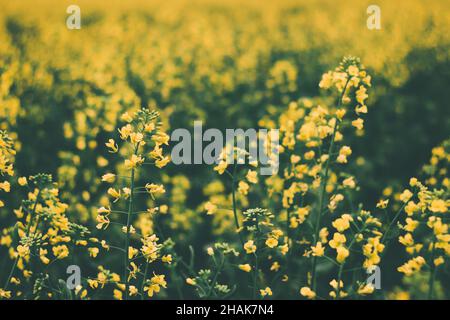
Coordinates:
(143, 280)
(127, 241)
(216, 275)
(255, 277)
(233, 194)
(324, 185)
(432, 274)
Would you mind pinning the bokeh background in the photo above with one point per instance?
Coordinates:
(228, 63)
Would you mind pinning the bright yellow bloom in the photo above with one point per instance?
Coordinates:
(406, 195)
(133, 162)
(438, 205)
(111, 144)
(318, 250)
(265, 292)
(358, 123)
(243, 188)
(271, 242)
(93, 252)
(22, 181)
(252, 176)
(210, 208)
(109, 177)
(307, 292)
(245, 267)
(167, 259)
(155, 188)
(342, 254)
(249, 247)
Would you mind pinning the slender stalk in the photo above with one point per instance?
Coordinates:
(216, 275)
(397, 215)
(324, 185)
(255, 277)
(432, 274)
(127, 241)
(143, 280)
(255, 271)
(233, 194)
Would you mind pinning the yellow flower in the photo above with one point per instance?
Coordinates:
(136, 137)
(23, 250)
(252, 176)
(156, 282)
(411, 207)
(161, 138)
(221, 167)
(271, 242)
(382, 203)
(323, 235)
(93, 252)
(358, 123)
(338, 240)
(413, 182)
(160, 163)
(133, 162)
(438, 205)
(5, 186)
(361, 94)
(191, 281)
(411, 225)
(133, 291)
(275, 266)
(243, 188)
(155, 188)
(149, 127)
(114, 193)
(318, 250)
(412, 266)
(117, 294)
(109, 177)
(92, 283)
(132, 252)
(349, 182)
(438, 261)
(342, 224)
(342, 254)
(334, 284)
(125, 132)
(61, 251)
(111, 144)
(42, 257)
(307, 292)
(22, 181)
(265, 292)
(366, 289)
(361, 109)
(406, 195)
(295, 159)
(5, 294)
(245, 267)
(210, 208)
(126, 117)
(340, 113)
(344, 152)
(167, 259)
(249, 247)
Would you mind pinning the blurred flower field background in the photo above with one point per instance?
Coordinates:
(231, 64)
